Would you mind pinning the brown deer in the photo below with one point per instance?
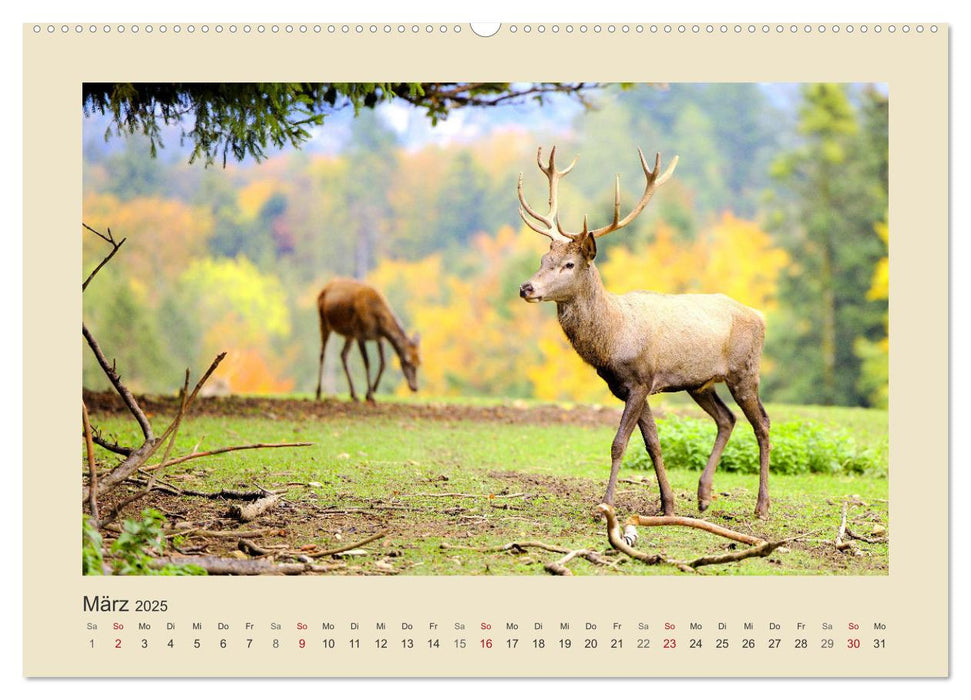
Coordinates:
(359, 312)
(643, 343)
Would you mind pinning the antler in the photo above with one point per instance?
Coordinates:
(551, 227)
(551, 223)
(654, 180)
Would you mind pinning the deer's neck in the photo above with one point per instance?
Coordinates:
(392, 330)
(591, 319)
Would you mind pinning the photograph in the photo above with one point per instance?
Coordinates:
(485, 329)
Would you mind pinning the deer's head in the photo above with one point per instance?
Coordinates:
(564, 270)
(410, 360)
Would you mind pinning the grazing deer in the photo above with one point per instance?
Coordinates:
(359, 312)
(643, 343)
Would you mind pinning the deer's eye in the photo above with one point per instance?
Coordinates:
(568, 266)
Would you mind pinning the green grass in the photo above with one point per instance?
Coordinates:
(366, 474)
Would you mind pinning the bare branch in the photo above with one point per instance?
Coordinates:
(205, 377)
(115, 245)
(174, 428)
(108, 445)
(115, 379)
(128, 467)
(92, 466)
(222, 450)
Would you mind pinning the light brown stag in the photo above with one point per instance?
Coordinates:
(643, 343)
(360, 312)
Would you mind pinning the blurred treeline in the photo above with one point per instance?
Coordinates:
(779, 200)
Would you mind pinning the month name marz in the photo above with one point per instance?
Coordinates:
(102, 603)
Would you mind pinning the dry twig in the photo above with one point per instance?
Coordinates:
(346, 547)
(222, 450)
(115, 245)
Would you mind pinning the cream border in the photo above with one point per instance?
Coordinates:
(912, 600)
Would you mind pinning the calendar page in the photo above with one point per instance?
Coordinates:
(514, 350)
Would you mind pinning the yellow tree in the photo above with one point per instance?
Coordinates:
(875, 355)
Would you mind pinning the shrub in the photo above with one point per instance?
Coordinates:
(132, 553)
(798, 447)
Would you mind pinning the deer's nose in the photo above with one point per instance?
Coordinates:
(525, 289)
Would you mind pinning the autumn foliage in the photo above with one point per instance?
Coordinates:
(233, 259)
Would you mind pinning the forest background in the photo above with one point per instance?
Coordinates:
(779, 200)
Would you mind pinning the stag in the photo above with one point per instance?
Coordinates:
(359, 312)
(643, 343)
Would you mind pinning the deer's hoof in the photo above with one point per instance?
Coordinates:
(762, 512)
(370, 400)
(703, 504)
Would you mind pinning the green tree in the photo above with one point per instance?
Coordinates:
(372, 164)
(129, 334)
(835, 196)
(245, 119)
(462, 203)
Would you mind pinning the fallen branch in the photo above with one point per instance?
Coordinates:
(253, 510)
(222, 494)
(762, 550)
(463, 495)
(591, 556)
(346, 547)
(511, 546)
(617, 540)
(228, 534)
(558, 567)
(864, 538)
(227, 566)
(661, 520)
(252, 548)
(840, 544)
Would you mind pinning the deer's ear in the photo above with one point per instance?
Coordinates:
(588, 246)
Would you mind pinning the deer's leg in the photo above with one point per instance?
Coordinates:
(632, 412)
(377, 379)
(320, 372)
(369, 396)
(746, 394)
(347, 372)
(709, 400)
(653, 444)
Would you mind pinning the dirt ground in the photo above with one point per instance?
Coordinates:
(293, 409)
